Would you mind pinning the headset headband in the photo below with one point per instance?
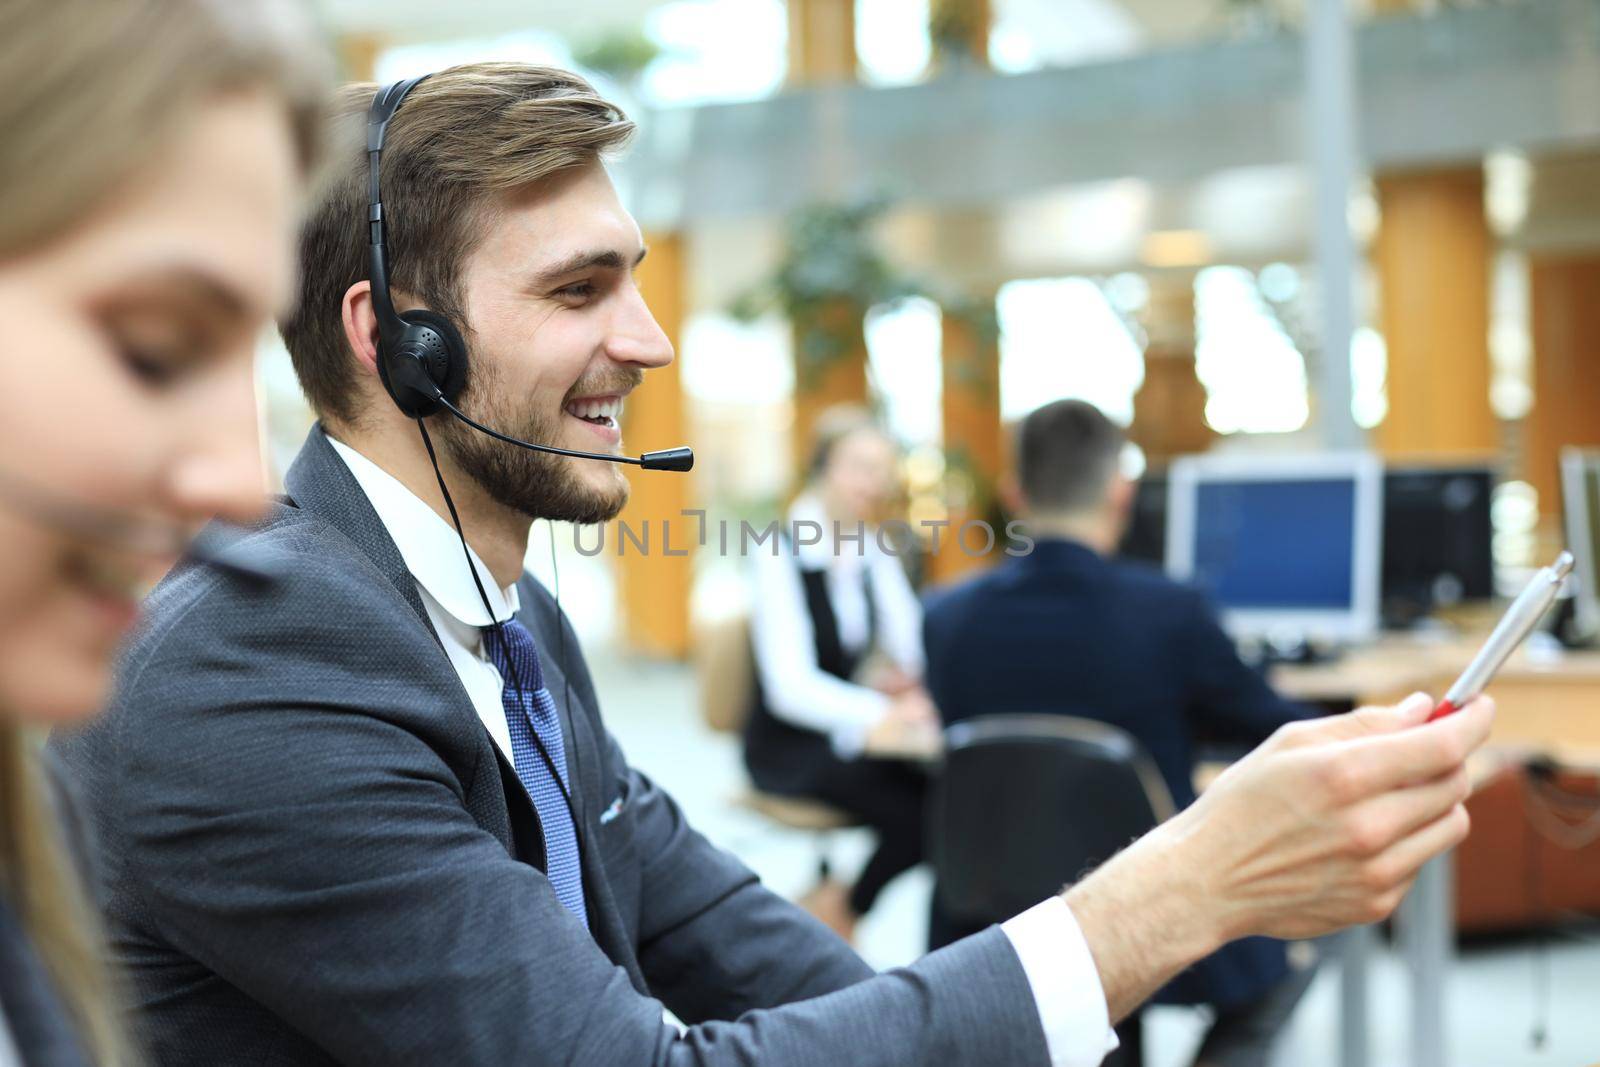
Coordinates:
(384, 105)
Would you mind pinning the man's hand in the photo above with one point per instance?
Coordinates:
(1328, 822)
(1324, 826)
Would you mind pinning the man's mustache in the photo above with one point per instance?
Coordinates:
(607, 386)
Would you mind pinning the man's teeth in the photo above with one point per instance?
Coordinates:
(603, 411)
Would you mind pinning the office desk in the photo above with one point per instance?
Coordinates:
(1546, 703)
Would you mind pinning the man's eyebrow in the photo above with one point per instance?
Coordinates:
(605, 259)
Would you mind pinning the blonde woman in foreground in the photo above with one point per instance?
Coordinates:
(152, 153)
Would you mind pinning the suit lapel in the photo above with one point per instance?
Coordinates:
(321, 483)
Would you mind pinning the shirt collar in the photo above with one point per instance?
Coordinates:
(429, 546)
(1055, 550)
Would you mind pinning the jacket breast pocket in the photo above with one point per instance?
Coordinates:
(616, 836)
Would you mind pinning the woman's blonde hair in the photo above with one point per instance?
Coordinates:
(832, 426)
(39, 882)
(90, 92)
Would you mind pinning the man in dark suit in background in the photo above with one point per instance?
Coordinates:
(371, 814)
(1068, 629)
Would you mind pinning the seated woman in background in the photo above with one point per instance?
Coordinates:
(837, 634)
(153, 153)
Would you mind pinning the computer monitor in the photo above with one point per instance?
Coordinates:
(1438, 538)
(1146, 536)
(1580, 506)
(1286, 546)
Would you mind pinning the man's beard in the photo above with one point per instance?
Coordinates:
(536, 484)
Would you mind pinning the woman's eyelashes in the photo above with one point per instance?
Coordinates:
(149, 368)
(157, 357)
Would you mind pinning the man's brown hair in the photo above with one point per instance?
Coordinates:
(1067, 452)
(464, 137)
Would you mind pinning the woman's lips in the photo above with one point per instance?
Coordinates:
(115, 583)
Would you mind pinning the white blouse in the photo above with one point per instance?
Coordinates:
(796, 688)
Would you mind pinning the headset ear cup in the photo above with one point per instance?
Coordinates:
(447, 352)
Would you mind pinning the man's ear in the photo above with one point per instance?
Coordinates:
(361, 324)
(1120, 494)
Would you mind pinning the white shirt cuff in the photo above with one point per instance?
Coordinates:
(1066, 985)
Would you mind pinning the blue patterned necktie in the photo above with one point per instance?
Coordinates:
(530, 712)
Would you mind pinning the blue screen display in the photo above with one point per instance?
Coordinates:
(1276, 544)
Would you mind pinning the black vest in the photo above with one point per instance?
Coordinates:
(783, 757)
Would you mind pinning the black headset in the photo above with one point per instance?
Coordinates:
(422, 360)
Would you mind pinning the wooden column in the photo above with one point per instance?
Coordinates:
(830, 368)
(830, 349)
(974, 442)
(653, 586)
(1169, 411)
(358, 55)
(822, 41)
(1433, 258)
(960, 31)
(1564, 298)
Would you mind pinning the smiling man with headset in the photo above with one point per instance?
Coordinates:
(371, 814)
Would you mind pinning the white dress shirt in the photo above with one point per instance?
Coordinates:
(797, 690)
(1054, 956)
(432, 553)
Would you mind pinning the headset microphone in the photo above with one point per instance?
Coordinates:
(408, 376)
(667, 459)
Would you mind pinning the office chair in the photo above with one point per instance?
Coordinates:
(1071, 792)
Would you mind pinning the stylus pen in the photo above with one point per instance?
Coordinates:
(1517, 623)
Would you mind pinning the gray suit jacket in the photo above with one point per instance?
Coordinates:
(316, 854)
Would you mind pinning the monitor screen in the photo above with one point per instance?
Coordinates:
(1284, 545)
(1276, 544)
(1580, 503)
(1438, 538)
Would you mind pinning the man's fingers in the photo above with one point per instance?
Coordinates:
(1376, 824)
(1370, 765)
(1399, 863)
(1414, 709)
(1370, 721)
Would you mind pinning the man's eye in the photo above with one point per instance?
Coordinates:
(577, 291)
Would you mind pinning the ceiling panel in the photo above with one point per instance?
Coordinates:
(416, 20)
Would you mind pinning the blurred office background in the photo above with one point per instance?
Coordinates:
(1247, 226)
